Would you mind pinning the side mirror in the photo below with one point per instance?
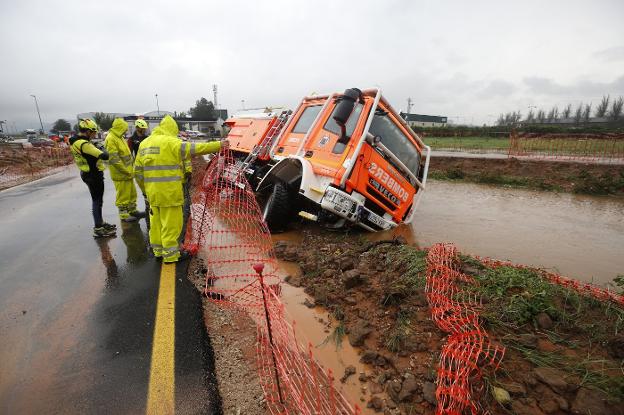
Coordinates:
(344, 108)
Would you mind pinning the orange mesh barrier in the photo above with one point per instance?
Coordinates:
(468, 346)
(227, 229)
(21, 165)
(583, 288)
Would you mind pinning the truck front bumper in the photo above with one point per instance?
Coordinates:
(348, 207)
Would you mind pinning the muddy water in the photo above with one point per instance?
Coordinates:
(316, 325)
(578, 236)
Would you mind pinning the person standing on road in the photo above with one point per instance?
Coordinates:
(140, 133)
(120, 166)
(159, 170)
(89, 160)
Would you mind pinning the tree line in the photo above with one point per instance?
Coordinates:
(203, 110)
(611, 110)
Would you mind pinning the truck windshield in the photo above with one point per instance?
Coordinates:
(333, 127)
(306, 119)
(396, 141)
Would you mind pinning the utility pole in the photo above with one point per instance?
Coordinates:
(409, 105)
(214, 100)
(157, 106)
(243, 103)
(38, 113)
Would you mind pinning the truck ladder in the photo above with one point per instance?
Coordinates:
(267, 142)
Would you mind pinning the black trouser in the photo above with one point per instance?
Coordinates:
(95, 182)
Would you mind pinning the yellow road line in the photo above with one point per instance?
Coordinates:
(161, 396)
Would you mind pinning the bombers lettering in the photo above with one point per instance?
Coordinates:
(385, 179)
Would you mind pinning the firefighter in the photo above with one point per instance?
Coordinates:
(140, 133)
(89, 160)
(120, 166)
(159, 170)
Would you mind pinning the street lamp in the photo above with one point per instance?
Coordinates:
(243, 103)
(157, 106)
(38, 113)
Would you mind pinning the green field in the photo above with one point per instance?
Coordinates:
(468, 143)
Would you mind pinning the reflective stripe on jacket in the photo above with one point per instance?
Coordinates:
(160, 164)
(120, 161)
(85, 154)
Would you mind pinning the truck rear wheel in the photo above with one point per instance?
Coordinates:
(276, 207)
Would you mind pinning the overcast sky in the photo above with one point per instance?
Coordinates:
(456, 58)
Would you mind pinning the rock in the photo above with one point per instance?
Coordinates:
(393, 389)
(548, 405)
(375, 387)
(376, 403)
(347, 263)
(429, 390)
(358, 332)
(514, 388)
(526, 407)
(545, 345)
(501, 395)
(329, 273)
(470, 270)
(528, 340)
(369, 356)
(350, 301)
(563, 403)
(363, 377)
(308, 303)
(551, 377)
(293, 280)
(615, 346)
(349, 370)
(352, 279)
(544, 321)
(589, 402)
(408, 388)
(380, 360)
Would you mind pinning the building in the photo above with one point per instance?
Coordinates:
(419, 120)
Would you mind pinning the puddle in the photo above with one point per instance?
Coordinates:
(316, 325)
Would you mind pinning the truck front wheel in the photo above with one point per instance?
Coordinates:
(276, 207)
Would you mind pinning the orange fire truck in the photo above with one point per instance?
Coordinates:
(338, 159)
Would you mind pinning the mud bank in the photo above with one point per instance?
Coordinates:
(564, 352)
(543, 175)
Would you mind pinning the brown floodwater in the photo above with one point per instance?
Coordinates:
(576, 235)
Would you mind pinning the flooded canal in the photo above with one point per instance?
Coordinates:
(577, 235)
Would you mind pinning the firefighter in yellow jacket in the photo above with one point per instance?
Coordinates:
(120, 166)
(159, 170)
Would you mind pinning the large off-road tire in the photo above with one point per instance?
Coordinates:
(276, 207)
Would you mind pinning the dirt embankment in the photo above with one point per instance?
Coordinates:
(544, 175)
(233, 338)
(564, 352)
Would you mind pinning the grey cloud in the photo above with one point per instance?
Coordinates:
(497, 88)
(547, 86)
(611, 54)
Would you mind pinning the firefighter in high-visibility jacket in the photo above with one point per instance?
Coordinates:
(159, 170)
(89, 160)
(120, 165)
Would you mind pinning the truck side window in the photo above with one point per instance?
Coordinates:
(306, 119)
(396, 141)
(332, 127)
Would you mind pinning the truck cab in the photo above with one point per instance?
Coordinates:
(344, 159)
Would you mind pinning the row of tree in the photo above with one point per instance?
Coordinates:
(611, 110)
(203, 110)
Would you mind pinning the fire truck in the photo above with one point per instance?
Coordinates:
(338, 159)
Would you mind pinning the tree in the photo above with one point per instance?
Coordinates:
(530, 116)
(61, 125)
(203, 110)
(103, 120)
(553, 114)
(587, 112)
(603, 107)
(567, 111)
(616, 109)
(578, 114)
(541, 116)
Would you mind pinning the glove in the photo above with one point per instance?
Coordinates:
(104, 155)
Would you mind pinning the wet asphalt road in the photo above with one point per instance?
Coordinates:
(77, 314)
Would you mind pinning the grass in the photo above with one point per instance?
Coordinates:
(414, 262)
(399, 333)
(468, 143)
(336, 336)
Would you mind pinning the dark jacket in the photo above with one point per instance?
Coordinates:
(134, 141)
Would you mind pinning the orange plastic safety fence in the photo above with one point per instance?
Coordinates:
(468, 347)
(20, 165)
(584, 288)
(227, 228)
